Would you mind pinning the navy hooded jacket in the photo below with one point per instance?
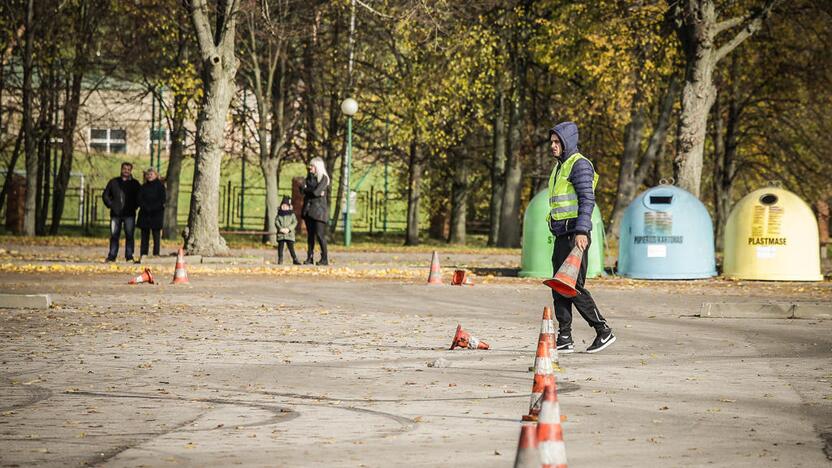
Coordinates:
(580, 177)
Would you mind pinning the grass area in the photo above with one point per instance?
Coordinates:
(361, 242)
(97, 169)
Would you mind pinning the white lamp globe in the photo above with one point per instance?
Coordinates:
(349, 106)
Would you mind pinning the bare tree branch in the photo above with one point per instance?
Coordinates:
(754, 23)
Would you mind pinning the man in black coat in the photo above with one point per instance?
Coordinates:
(151, 211)
(121, 197)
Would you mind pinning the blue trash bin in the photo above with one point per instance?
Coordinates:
(666, 233)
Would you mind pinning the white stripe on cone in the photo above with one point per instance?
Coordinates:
(552, 453)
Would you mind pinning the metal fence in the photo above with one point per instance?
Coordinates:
(83, 207)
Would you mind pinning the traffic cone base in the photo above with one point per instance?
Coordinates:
(527, 454)
(550, 432)
(463, 339)
(180, 275)
(145, 277)
(435, 276)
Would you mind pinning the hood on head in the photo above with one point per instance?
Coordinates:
(568, 134)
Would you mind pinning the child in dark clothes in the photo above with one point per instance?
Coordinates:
(286, 222)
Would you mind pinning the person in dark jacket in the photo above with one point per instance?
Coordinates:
(151, 211)
(316, 210)
(121, 197)
(571, 201)
(286, 222)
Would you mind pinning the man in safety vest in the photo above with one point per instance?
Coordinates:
(571, 201)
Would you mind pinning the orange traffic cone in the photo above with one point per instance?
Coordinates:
(527, 454)
(549, 431)
(544, 375)
(180, 275)
(564, 281)
(547, 331)
(435, 276)
(461, 278)
(145, 277)
(463, 339)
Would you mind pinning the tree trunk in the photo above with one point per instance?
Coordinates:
(270, 169)
(459, 200)
(725, 151)
(627, 187)
(7, 182)
(697, 28)
(633, 173)
(45, 126)
(174, 173)
(510, 226)
(414, 193)
(219, 67)
(30, 138)
(498, 167)
(71, 106)
(697, 99)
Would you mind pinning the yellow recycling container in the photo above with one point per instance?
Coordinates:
(772, 234)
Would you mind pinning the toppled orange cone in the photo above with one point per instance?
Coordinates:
(145, 277)
(435, 276)
(550, 432)
(463, 339)
(180, 275)
(527, 454)
(461, 278)
(544, 375)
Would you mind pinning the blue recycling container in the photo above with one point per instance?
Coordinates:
(666, 233)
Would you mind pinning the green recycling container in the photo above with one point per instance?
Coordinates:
(538, 242)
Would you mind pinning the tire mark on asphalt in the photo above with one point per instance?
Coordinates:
(563, 387)
(34, 393)
(279, 415)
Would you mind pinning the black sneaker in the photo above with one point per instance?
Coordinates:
(565, 345)
(602, 340)
(110, 259)
(309, 261)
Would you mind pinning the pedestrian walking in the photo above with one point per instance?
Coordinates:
(121, 197)
(571, 201)
(316, 210)
(286, 222)
(151, 211)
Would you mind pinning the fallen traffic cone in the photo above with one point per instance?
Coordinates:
(564, 281)
(145, 277)
(547, 331)
(461, 278)
(180, 275)
(549, 431)
(463, 339)
(544, 375)
(527, 454)
(435, 276)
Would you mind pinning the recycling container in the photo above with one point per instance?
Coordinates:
(539, 243)
(666, 233)
(772, 234)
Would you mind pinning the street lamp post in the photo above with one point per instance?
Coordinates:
(349, 107)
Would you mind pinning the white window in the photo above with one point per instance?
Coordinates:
(108, 140)
(160, 135)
